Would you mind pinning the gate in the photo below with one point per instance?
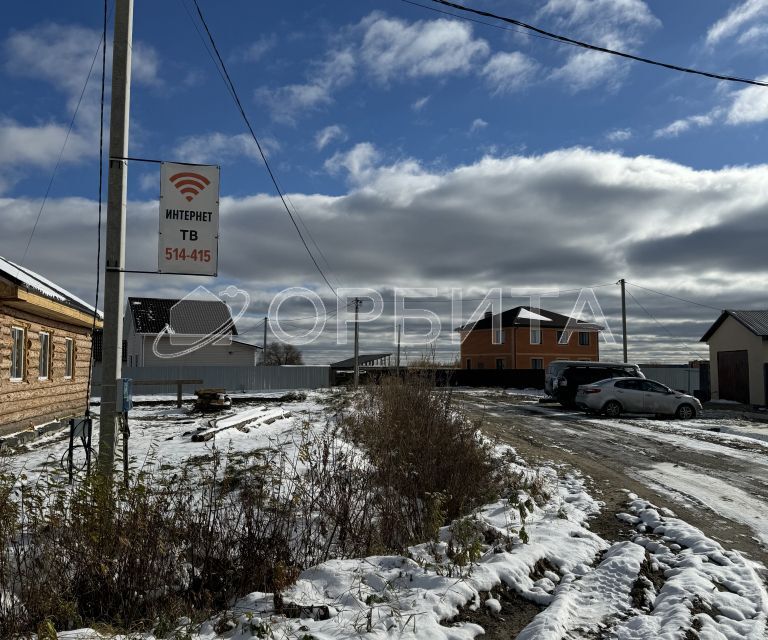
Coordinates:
(733, 376)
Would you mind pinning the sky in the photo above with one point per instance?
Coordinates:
(420, 151)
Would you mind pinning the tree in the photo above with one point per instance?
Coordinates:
(281, 353)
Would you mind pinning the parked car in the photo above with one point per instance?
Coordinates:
(636, 395)
(563, 377)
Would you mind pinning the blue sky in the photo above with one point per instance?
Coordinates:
(420, 149)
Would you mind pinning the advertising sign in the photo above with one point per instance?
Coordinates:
(189, 219)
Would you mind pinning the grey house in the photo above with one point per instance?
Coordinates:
(167, 332)
(738, 353)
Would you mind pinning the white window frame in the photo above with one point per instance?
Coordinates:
(18, 358)
(499, 333)
(47, 354)
(69, 358)
(584, 338)
(535, 335)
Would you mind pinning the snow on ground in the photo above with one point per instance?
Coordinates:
(712, 492)
(668, 581)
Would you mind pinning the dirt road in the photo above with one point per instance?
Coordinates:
(712, 471)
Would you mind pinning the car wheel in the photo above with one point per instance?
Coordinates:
(612, 409)
(685, 412)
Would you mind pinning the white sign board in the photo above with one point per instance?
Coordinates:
(189, 219)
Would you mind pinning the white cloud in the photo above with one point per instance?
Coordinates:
(328, 134)
(395, 48)
(477, 125)
(287, 102)
(39, 145)
(509, 71)
(682, 125)
(256, 50)
(619, 135)
(419, 104)
(614, 24)
(736, 19)
(403, 224)
(219, 147)
(358, 161)
(749, 105)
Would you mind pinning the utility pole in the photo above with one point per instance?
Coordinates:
(112, 346)
(399, 328)
(357, 344)
(624, 318)
(264, 343)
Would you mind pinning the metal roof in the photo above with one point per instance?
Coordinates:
(34, 282)
(363, 359)
(756, 321)
(186, 317)
(522, 317)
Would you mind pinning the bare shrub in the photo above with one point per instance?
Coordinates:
(430, 463)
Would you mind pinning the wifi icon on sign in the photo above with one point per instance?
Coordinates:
(189, 184)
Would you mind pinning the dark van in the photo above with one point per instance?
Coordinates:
(563, 377)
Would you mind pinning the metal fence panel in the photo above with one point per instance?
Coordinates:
(230, 378)
(679, 378)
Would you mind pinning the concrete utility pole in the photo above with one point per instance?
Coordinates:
(112, 345)
(357, 344)
(264, 344)
(624, 318)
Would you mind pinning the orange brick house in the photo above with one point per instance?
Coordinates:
(527, 339)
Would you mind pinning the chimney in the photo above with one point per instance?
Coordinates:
(488, 314)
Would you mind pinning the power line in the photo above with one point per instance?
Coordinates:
(594, 47)
(63, 146)
(101, 187)
(668, 332)
(669, 295)
(240, 108)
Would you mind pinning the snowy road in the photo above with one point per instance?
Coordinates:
(713, 469)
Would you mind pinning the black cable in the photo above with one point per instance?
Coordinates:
(63, 146)
(258, 145)
(593, 47)
(669, 295)
(101, 188)
(482, 22)
(669, 333)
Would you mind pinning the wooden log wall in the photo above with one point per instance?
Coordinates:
(32, 401)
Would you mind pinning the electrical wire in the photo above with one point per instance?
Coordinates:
(668, 332)
(101, 192)
(593, 47)
(669, 295)
(102, 43)
(271, 173)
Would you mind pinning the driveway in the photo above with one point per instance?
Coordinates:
(711, 471)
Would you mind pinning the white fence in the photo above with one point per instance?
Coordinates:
(230, 378)
(678, 378)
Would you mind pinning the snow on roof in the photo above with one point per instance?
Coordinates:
(530, 315)
(35, 282)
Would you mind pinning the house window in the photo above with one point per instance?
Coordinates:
(469, 363)
(535, 336)
(69, 358)
(537, 363)
(45, 356)
(584, 338)
(498, 336)
(563, 337)
(499, 363)
(17, 354)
